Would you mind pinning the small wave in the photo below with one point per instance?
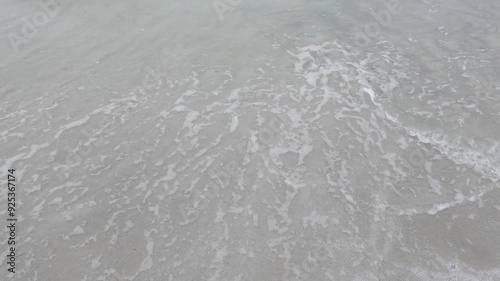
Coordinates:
(463, 152)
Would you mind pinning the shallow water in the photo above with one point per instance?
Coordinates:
(252, 140)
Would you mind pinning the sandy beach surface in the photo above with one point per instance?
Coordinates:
(238, 140)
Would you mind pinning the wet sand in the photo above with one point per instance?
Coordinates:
(252, 140)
